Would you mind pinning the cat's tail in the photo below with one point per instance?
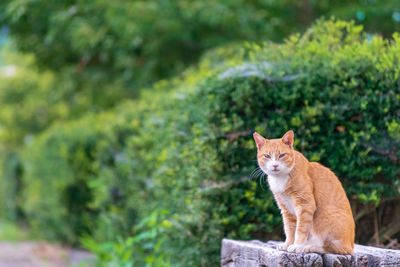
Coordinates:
(338, 247)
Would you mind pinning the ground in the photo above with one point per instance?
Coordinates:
(41, 254)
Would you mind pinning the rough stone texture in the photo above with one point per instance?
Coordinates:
(258, 254)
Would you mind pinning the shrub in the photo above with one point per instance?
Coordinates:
(32, 100)
(85, 168)
(183, 156)
(57, 197)
(21, 85)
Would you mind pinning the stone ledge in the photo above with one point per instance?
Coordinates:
(258, 254)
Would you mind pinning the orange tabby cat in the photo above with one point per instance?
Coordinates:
(316, 212)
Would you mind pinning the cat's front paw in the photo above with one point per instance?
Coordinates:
(282, 246)
(296, 248)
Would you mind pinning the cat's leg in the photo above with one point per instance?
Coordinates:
(314, 243)
(338, 247)
(335, 229)
(289, 224)
(305, 208)
(313, 249)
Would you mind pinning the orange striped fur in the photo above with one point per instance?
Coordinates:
(316, 212)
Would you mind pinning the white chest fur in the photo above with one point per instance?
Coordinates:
(277, 185)
(287, 201)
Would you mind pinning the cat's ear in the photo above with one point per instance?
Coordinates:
(260, 141)
(288, 138)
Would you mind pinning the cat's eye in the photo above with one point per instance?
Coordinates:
(282, 155)
(267, 156)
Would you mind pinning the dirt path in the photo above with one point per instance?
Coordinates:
(34, 254)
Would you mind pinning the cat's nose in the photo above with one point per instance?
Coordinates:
(275, 166)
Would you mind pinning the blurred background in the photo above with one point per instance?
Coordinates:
(126, 126)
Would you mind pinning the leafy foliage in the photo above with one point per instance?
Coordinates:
(32, 101)
(178, 159)
(136, 42)
(85, 56)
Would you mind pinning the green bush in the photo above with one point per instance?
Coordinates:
(20, 85)
(31, 101)
(89, 159)
(57, 199)
(179, 159)
(10, 196)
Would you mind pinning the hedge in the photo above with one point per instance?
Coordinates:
(163, 179)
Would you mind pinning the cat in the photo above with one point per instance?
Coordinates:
(316, 212)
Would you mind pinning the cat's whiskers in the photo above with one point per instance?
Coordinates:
(263, 178)
(256, 173)
(259, 173)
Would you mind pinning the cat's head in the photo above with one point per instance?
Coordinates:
(275, 156)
